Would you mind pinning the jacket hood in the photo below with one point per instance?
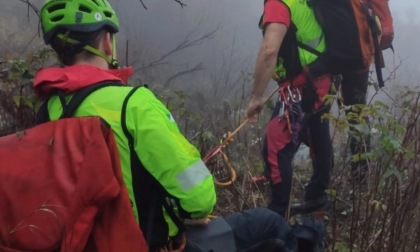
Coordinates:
(71, 78)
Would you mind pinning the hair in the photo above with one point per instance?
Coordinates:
(68, 54)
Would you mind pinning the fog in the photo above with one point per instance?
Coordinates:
(164, 24)
(229, 52)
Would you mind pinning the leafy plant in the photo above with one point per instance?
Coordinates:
(18, 102)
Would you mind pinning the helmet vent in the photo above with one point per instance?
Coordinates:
(57, 18)
(108, 14)
(56, 7)
(95, 2)
(83, 8)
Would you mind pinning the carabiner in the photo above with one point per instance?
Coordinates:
(294, 94)
(283, 97)
(281, 110)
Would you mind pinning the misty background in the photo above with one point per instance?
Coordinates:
(221, 40)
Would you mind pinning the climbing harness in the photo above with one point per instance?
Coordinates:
(290, 109)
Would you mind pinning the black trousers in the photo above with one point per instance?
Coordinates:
(321, 154)
(280, 146)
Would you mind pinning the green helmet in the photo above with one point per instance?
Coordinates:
(78, 16)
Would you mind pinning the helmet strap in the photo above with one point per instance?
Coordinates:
(113, 63)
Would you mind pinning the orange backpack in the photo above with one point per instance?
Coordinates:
(354, 37)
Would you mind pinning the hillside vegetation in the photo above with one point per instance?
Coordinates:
(382, 214)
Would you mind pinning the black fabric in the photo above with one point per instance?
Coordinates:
(379, 59)
(343, 53)
(151, 216)
(339, 25)
(149, 194)
(42, 116)
(290, 54)
(310, 233)
(259, 227)
(309, 49)
(280, 193)
(216, 236)
(322, 158)
(309, 97)
(271, 245)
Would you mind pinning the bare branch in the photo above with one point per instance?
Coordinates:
(144, 6)
(126, 52)
(31, 6)
(180, 3)
(196, 68)
(183, 45)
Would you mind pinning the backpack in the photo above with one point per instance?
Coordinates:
(56, 195)
(353, 34)
(310, 233)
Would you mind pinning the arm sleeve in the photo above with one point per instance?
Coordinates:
(168, 155)
(276, 12)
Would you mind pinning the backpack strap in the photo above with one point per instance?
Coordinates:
(308, 48)
(376, 30)
(81, 94)
(42, 116)
(69, 108)
(155, 192)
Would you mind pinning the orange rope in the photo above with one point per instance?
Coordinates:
(229, 138)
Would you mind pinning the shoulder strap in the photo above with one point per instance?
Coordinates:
(42, 115)
(130, 138)
(153, 203)
(308, 48)
(81, 94)
(124, 118)
(376, 30)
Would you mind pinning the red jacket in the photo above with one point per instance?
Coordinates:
(61, 188)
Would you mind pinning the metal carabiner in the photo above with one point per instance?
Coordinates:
(281, 110)
(283, 96)
(294, 94)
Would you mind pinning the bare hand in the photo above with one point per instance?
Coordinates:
(255, 106)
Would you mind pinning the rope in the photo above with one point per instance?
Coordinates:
(229, 138)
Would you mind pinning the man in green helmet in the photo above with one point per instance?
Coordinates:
(161, 161)
(164, 174)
